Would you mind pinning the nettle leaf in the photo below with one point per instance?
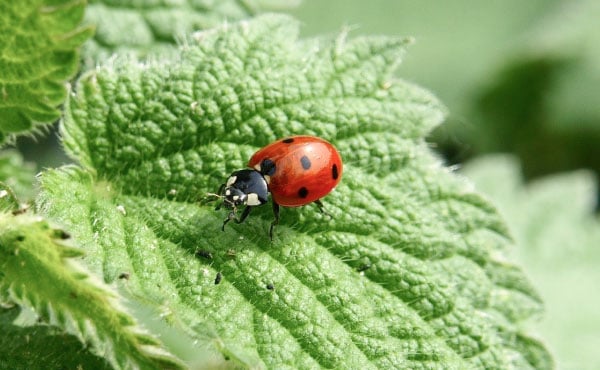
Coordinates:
(150, 27)
(8, 199)
(38, 55)
(553, 220)
(409, 271)
(28, 346)
(36, 270)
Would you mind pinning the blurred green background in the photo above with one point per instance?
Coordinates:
(517, 76)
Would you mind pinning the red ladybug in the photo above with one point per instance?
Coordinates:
(296, 171)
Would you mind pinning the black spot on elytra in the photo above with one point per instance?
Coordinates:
(334, 172)
(305, 162)
(303, 192)
(289, 140)
(267, 167)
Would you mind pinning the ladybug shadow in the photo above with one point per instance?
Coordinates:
(203, 229)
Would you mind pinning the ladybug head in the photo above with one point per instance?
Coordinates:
(245, 187)
(233, 197)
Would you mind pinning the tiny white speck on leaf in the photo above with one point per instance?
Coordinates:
(121, 209)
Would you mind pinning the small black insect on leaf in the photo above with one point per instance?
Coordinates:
(204, 254)
(363, 267)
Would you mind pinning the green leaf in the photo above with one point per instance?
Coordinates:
(27, 346)
(36, 271)
(17, 174)
(408, 273)
(553, 221)
(8, 199)
(147, 28)
(38, 55)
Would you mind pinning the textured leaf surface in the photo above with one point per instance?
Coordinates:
(150, 27)
(38, 55)
(35, 272)
(554, 223)
(26, 347)
(409, 272)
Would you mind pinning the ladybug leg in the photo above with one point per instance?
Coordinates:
(244, 215)
(322, 208)
(276, 220)
(232, 216)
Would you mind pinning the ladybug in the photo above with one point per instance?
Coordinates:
(297, 170)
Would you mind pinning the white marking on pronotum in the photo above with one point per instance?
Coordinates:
(257, 167)
(253, 200)
(231, 180)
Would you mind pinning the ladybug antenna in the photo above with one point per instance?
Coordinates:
(209, 198)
